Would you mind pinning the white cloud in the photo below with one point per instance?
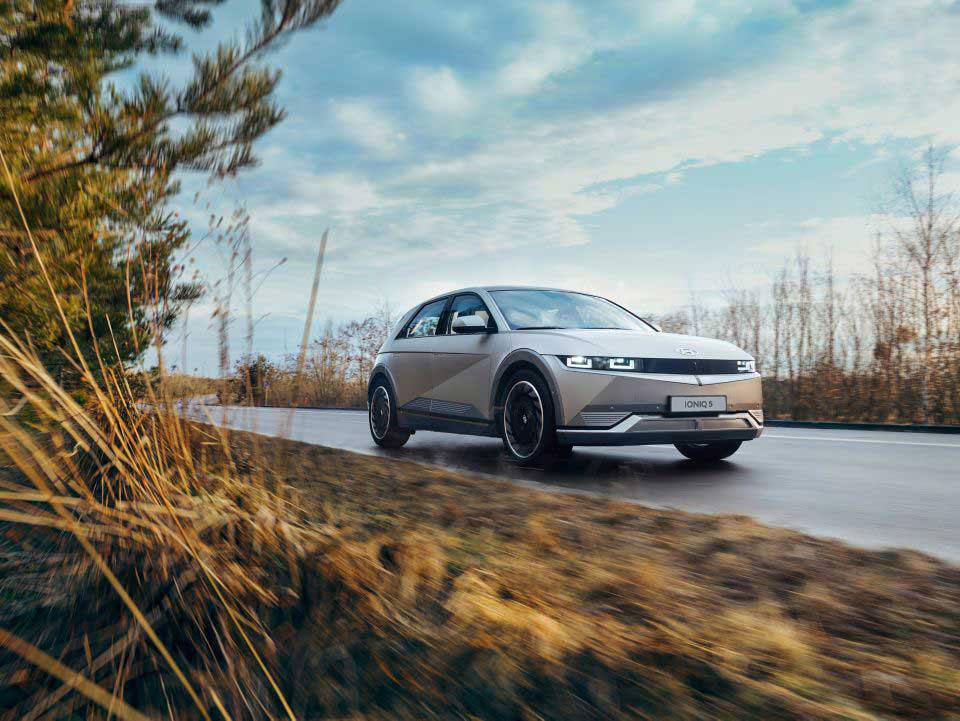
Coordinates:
(362, 122)
(848, 239)
(853, 72)
(438, 90)
(335, 194)
(949, 183)
(562, 43)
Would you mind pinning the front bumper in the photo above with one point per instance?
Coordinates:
(639, 429)
(609, 408)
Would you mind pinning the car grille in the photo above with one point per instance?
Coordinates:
(689, 366)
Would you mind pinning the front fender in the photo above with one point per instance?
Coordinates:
(516, 359)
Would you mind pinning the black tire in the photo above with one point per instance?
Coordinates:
(382, 417)
(527, 422)
(707, 452)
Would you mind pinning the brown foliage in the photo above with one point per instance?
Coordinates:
(336, 368)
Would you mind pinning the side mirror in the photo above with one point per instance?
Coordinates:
(469, 324)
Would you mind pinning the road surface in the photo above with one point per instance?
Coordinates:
(872, 488)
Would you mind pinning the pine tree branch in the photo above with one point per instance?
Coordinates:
(270, 32)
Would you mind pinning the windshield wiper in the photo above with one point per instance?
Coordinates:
(540, 327)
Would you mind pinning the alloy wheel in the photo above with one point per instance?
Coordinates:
(380, 412)
(523, 419)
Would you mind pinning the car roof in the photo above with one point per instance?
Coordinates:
(489, 288)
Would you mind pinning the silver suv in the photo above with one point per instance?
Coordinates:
(546, 370)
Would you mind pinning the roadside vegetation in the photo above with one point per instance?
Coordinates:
(153, 568)
(335, 371)
(175, 385)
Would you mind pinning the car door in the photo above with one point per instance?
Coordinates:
(413, 365)
(462, 365)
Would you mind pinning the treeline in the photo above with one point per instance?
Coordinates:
(882, 345)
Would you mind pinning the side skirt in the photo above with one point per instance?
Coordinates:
(421, 421)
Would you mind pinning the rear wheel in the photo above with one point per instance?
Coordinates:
(383, 418)
(527, 423)
(713, 451)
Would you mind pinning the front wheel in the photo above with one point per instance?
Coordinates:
(714, 451)
(383, 418)
(527, 424)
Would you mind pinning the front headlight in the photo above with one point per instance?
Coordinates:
(601, 363)
(746, 366)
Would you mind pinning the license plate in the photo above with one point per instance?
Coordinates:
(698, 404)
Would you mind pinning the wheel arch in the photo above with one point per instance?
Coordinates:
(380, 372)
(520, 360)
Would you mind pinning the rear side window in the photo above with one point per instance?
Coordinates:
(464, 305)
(427, 321)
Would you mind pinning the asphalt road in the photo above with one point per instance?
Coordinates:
(873, 488)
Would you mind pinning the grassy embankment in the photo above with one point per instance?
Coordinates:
(370, 588)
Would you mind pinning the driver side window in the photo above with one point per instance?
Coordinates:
(466, 305)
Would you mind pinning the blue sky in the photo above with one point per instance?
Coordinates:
(643, 151)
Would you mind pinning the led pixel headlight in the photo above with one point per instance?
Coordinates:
(683, 366)
(601, 363)
(579, 361)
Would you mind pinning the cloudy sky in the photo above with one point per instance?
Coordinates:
(640, 150)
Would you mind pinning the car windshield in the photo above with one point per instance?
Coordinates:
(544, 309)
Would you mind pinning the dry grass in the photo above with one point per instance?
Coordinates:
(453, 596)
(133, 573)
(286, 580)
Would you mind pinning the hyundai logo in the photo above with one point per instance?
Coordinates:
(684, 350)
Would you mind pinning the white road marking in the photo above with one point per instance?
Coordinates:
(859, 440)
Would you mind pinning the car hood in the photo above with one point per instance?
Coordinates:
(626, 343)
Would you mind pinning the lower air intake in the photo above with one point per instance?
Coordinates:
(602, 419)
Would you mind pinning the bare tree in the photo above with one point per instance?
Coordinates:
(922, 231)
